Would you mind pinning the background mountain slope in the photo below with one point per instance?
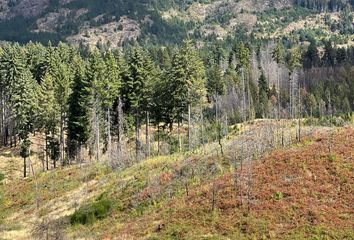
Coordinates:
(162, 21)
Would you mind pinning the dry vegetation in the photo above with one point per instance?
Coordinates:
(303, 191)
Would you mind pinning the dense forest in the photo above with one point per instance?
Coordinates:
(96, 102)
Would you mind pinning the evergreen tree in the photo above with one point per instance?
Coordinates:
(112, 87)
(263, 94)
(96, 75)
(138, 89)
(294, 61)
(215, 81)
(279, 53)
(242, 55)
(311, 57)
(186, 85)
(12, 66)
(329, 56)
(48, 117)
(25, 108)
(341, 55)
(80, 110)
(59, 67)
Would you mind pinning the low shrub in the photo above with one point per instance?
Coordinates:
(278, 196)
(89, 213)
(2, 176)
(331, 158)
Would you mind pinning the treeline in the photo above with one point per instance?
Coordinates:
(90, 103)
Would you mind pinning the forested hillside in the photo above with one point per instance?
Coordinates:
(162, 119)
(169, 22)
(81, 98)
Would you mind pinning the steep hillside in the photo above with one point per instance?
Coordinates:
(156, 21)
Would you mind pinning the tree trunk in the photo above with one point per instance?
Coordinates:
(46, 152)
(243, 96)
(6, 141)
(10, 136)
(14, 136)
(109, 137)
(279, 104)
(299, 113)
(120, 127)
(189, 129)
(30, 166)
(62, 140)
(158, 140)
(79, 153)
(179, 136)
(24, 167)
(147, 135)
(282, 137)
(97, 134)
(226, 124)
(290, 97)
(137, 137)
(202, 131)
(299, 130)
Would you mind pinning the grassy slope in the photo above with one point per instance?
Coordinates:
(296, 193)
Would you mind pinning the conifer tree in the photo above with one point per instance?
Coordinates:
(311, 57)
(111, 86)
(279, 56)
(279, 53)
(215, 81)
(242, 66)
(263, 95)
(294, 63)
(80, 110)
(25, 108)
(186, 83)
(329, 56)
(123, 70)
(49, 120)
(137, 89)
(13, 64)
(59, 68)
(96, 75)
